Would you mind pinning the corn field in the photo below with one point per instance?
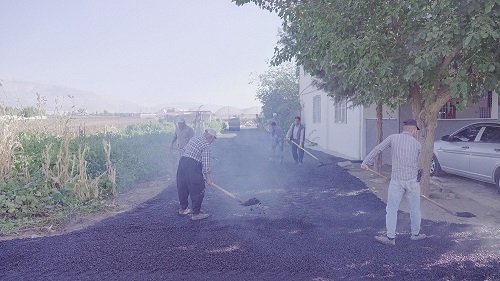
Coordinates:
(48, 167)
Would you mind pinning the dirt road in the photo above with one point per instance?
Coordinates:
(313, 224)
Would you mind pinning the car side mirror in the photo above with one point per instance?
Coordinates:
(446, 138)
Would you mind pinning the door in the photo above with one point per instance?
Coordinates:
(454, 153)
(485, 154)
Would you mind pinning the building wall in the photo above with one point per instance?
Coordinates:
(389, 127)
(347, 138)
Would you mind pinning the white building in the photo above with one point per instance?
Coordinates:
(353, 131)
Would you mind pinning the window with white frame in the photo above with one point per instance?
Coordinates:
(317, 109)
(341, 112)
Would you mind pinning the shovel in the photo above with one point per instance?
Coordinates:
(250, 202)
(321, 162)
(458, 214)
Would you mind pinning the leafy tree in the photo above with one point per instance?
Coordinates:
(418, 51)
(278, 91)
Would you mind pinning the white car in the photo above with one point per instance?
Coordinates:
(234, 123)
(472, 152)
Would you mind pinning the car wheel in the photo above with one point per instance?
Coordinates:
(435, 167)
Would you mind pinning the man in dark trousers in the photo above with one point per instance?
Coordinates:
(192, 172)
(405, 154)
(297, 134)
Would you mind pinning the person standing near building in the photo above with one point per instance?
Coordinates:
(277, 136)
(183, 133)
(297, 135)
(405, 154)
(267, 127)
(192, 173)
(274, 119)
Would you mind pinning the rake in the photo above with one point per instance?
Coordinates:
(250, 202)
(458, 214)
(321, 162)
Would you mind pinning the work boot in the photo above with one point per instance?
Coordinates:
(385, 240)
(199, 216)
(186, 211)
(419, 236)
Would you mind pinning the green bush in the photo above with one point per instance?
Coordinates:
(137, 153)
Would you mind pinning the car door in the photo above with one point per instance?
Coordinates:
(454, 153)
(485, 154)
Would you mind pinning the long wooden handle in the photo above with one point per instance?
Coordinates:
(375, 172)
(305, 150)
(436, 203)
(227, 193)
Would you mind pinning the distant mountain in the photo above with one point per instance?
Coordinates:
(228, 111)
(18, 93)
(190, 106)
(252, 110)
(214, 108)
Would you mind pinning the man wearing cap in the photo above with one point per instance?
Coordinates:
(405, 154)
(274, 119)
(192, 172)
(183, 133)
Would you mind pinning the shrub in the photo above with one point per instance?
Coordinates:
(48, 174)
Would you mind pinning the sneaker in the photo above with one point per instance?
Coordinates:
(420, 236)
(186, 211)
(385, 240)
(200, 216)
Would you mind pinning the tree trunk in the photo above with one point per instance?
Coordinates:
(428, 122)
(380, 135)
(426, 115)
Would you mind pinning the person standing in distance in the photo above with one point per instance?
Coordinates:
(183, 133)
(192, 173)
(297, 134)
(405, 155)
(268, 127)
(277, 136)
(274, 119)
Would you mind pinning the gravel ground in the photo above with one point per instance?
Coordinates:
(314, 223)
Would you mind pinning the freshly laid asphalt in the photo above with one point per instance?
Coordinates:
(314, 223)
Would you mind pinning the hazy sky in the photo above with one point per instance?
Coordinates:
(148, 52)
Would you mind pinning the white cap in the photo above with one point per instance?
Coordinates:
(181, 120)
(211, 132)
(274, 114)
